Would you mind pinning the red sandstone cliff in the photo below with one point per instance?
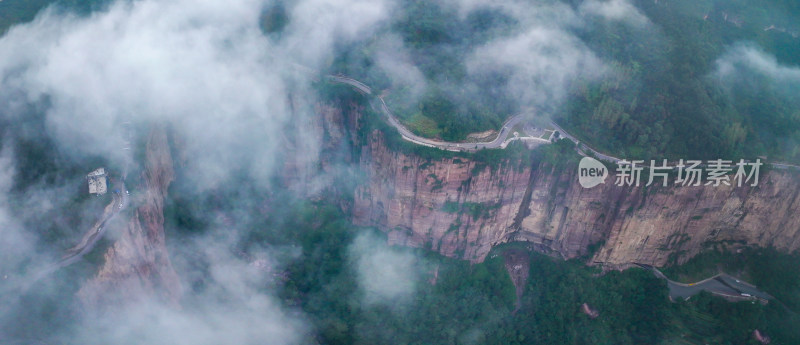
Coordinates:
(137, 266)
(413, 199)
(406, 196)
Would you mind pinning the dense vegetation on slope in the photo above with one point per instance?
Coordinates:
(457, 103)
(344, 96)
(770, 270)
(474, 303)
(452, 103)
(666, 98)
(764, 267)
(663, 93)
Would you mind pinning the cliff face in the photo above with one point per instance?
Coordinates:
(459, 210)
(137, 266)
(453, 206)
(649, 226)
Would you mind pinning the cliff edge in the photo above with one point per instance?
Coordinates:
(460, 208)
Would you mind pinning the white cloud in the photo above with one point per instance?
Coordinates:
(205, 69)
(393, 59)
(317, 24)
(542, 57)
(542, 62)
(746, 57)
(235, 305)
(202, 66)
(618, 10)
(385, 274)
(15, 243)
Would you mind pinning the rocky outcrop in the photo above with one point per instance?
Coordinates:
(137, 265)
(462, 209)
(454, 206)
(658, 225)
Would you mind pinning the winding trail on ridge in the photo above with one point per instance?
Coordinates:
(502, 139)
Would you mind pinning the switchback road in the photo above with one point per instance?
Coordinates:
(721, 284)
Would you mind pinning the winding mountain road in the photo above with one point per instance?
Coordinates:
(502, 139)
(583, 148)
(720, 284)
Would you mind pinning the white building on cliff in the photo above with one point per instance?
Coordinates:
(97, 182)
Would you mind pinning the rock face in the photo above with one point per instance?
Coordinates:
(657, 225)
(454, 206)
(461, 209)
(137, 266)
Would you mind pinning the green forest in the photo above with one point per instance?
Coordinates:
(661, 98)
(453, 103)
(665, 99)
(474, 303)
